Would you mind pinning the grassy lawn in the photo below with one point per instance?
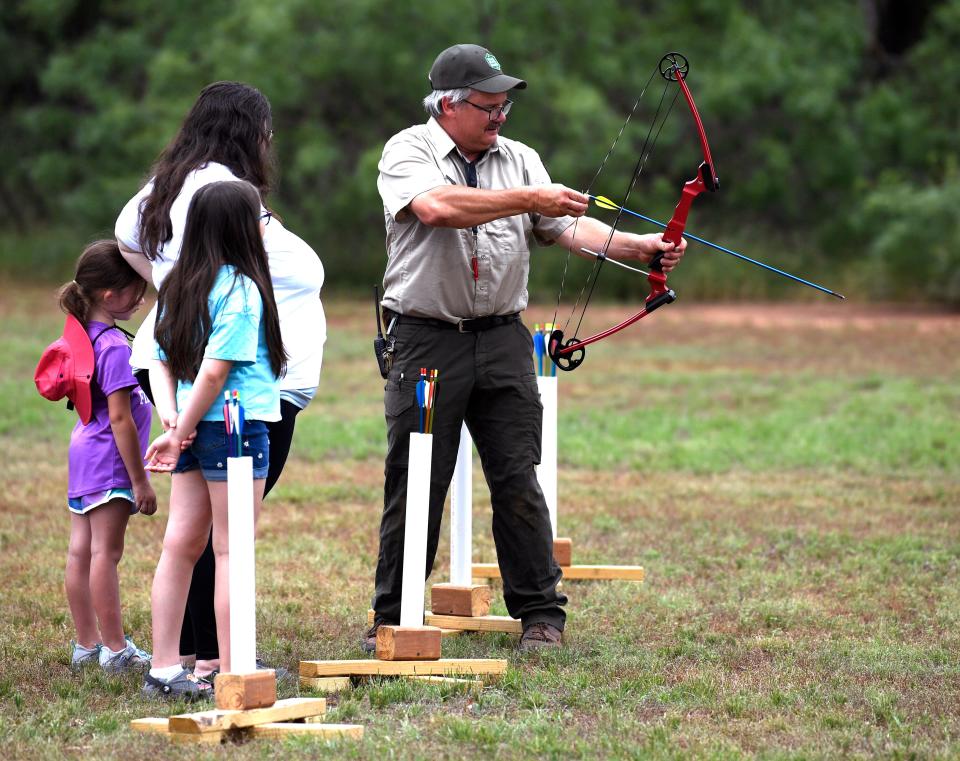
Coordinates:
(788, 475)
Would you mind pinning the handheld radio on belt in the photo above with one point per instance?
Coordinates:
(382, 347)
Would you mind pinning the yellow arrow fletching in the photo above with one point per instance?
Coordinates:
(605, 203)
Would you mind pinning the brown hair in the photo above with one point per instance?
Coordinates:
(230, 123)
(101, 267)
(222, 228)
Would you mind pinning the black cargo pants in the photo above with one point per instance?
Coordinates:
(487, 379)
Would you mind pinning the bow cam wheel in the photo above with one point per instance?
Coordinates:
(566, 361)
(671, 63)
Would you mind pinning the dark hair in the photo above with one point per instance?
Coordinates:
(230, 123)
(222, 228)
(101, 267)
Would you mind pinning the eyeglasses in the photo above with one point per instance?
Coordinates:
(493, 112)
(265, 217)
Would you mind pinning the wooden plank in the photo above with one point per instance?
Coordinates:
(152, 724)
(563, 551)
(455, 600)
(431, 679)
(468, 685)
(205, 738)
(218, 720)
(476, 623)
(408, 643)
(326, 683)
(443, 632)
(574, 572)
(329, 731)
(241, 692)
(311, 726)
(368, 667)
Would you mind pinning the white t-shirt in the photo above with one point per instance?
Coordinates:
(295, 270)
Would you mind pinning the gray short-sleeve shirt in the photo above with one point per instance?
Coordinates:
(448, 273)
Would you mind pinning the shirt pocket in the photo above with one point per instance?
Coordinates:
(511, 269)
(506, 232)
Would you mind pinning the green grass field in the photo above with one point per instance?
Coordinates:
(788, 475)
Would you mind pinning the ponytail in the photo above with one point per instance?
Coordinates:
(101, 267)
(74, 301)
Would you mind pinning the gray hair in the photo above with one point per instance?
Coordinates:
(433, 103)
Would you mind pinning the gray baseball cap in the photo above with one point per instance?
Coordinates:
(471, 66)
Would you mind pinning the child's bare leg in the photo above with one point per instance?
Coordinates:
(218, 502)
(78, 582)
(108, 525)
(187, 530)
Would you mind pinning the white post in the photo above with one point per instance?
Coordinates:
(415, 531)
(461, 514)
(547, 469)
(242, 575)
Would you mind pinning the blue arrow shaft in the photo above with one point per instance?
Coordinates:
(706, 242)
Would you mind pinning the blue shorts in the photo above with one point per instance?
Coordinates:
(209, 450)
(86, 503)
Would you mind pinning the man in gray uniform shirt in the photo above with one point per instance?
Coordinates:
(462, 204)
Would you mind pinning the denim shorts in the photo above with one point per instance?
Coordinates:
(209, 450)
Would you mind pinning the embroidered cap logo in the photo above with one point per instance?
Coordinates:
(492, 61)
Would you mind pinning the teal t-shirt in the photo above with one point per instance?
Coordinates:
(237, 334)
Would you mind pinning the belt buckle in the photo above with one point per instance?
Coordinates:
(460, 326)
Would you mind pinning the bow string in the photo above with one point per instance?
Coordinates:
(568, 354)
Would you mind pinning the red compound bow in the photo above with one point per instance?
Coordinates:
(569, 354)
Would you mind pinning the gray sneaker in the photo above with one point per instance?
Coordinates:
(285, 679)
(131, 657)
(141, 658)
(182, 686)
(84, 656)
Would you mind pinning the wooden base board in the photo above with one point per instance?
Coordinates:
(574, 572)
(332, 684)
(216, 720)
(455, 600)
(444, 633)
(408, 643)
(451, 625)
(563, 551)
(327, 684)
(270, 729)
(216, 726)
(241, 692)
(476, 623)
(492, 667)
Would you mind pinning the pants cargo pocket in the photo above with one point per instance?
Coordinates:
(402, 416)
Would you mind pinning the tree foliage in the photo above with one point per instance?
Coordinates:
(834, 127)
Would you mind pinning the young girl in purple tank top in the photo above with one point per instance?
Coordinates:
(107, 481)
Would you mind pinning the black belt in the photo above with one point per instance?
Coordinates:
(474, 325)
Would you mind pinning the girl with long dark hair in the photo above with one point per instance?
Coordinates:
(227, 135)
(218, 328)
